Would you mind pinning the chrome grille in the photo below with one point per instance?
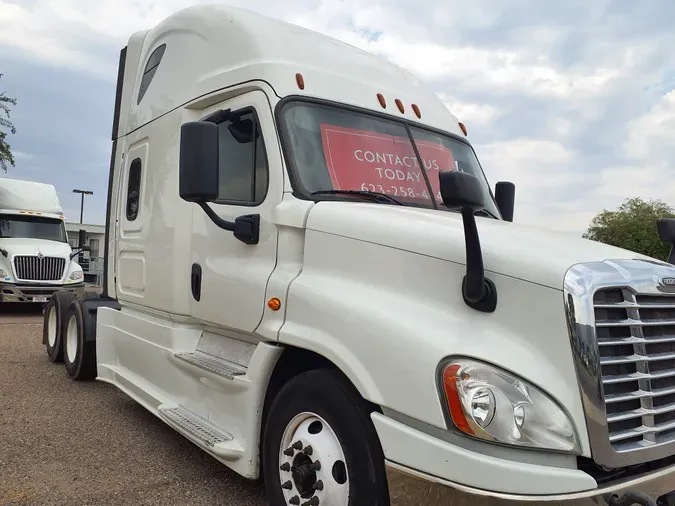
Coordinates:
(33, 268)
(621, 322)
(636, 340)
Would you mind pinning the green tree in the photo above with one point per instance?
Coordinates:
(5, 125)
(633, 227)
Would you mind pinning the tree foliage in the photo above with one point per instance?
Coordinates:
(633, 227)
(5, 127)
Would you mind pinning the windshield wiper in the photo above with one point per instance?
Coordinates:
(376, 196)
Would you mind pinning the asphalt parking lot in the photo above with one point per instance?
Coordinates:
(73, 443)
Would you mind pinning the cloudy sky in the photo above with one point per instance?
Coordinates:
(574, 101)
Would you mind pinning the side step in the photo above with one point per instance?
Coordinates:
(195, 427)
(212, 364)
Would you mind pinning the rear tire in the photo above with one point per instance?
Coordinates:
(345, 464)
(79, 355)
(55, 313)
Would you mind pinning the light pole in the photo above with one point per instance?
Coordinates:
(83, 193)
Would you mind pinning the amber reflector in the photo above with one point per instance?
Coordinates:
(416, 110)
(455, 405)
(300, 80)
(399, 104)
(461, 125)
(383, 102)
(274, 304)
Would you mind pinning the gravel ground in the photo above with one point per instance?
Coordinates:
(71, 443)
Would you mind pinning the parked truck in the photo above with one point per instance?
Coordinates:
(35, 257)
(308, 276)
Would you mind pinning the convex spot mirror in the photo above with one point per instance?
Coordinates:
(505, 196)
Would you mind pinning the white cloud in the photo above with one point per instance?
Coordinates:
(470, 113)
(654, 132)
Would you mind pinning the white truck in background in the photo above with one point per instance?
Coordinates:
(308, 276)
(35, 257)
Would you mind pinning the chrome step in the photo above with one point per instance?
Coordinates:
(213, 364)
(194, 425)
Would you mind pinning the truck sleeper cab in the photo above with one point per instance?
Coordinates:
(308, 276)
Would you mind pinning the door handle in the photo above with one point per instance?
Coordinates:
(196, 281)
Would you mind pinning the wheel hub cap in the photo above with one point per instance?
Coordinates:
(312, 465)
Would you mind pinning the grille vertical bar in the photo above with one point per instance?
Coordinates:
(32, 268)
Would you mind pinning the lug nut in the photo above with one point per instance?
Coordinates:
(294, 500)
(289, 452)
(314, 501)
(315, 466)
(309, 450)
(288, 485)
(285, 467)
(297, 445)
(318, 485)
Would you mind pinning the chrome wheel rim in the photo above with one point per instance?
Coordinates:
(71, 340)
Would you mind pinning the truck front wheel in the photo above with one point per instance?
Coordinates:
(320, 447)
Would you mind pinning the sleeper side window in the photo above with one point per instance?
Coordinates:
(150, 69)
(243, 177)
(133, 189)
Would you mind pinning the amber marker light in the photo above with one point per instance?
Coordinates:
(399, 104)
(383, 102)
(463, 127)
(274, 304)
(416, 110)
(300, 80)
(454, 403)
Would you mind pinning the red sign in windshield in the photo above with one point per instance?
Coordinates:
(370, 161)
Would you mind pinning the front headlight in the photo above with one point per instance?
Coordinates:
(3, 273)
(76, 275)
(489, 403)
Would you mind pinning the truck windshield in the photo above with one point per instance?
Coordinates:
(332, 148)
(32, 227)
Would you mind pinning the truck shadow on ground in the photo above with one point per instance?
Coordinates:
(20, 309)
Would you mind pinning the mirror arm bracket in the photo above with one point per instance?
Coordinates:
(479, 292)
(224, 224)
(246, 228)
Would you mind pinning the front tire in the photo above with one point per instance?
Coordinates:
(320, 446)
(79, 355)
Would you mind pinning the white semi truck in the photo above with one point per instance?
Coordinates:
(308, 276)
(35, 257)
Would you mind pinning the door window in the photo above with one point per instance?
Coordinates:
(243, 177)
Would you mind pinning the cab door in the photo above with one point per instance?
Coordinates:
(227, 276)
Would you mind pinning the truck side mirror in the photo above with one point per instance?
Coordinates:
(666, 228)
(198, 167)
(199, 175)
(463, 191)
(505, 195)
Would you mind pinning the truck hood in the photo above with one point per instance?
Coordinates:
(524, 252)
(35, 246)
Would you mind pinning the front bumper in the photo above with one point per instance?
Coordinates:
(408, 487)
(423, 470)
(10, 292)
